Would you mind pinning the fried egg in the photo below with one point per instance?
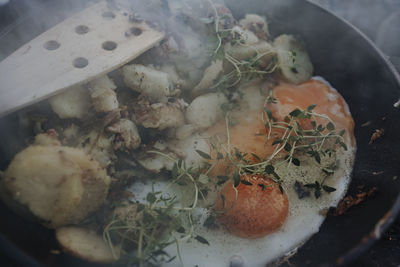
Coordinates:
(268, 224)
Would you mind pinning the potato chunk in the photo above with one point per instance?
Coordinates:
(293, 60)
(73, 103)
(205, 110)
(85, 244)
(58, 185)
(150, 82)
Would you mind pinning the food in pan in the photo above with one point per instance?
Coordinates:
(217, 145)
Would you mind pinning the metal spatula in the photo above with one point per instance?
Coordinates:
(91, 43)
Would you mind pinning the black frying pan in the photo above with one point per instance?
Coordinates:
(353, 65)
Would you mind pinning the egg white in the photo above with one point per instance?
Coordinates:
(304, 219)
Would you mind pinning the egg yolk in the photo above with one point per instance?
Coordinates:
(260, 210)
(257, 210)
(328, 102)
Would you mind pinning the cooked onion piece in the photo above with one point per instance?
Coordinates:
(85, 244)
(59, 185)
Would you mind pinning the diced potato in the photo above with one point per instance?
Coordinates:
(47, 139)
(72, 103)
(205, 110)
(210, 75)
(159, 116)
(85, 244)
(59, 185)
(293, 60)
(262, 49)
(103, 95)
(186, 149)
(98, 146)
(128, 131)
(246, 36)
(156, 162)
(256, 24)
(150, 82)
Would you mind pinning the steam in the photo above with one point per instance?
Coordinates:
(378, 19)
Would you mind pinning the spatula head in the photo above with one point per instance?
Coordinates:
(88, 44)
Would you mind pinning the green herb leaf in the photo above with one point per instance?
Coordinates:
(269, 169)
(295, 113)
(287, 147)
(222, 179)
(151, 197)
(341, 133)
(245, 182)
(202, 240)
(139, 208)
(343, 145)
(210, 221)
(236, 179)
(328, 170)
(314, 124)
(203, 154)
(219, 155)
(223, 200)
(317, 192)
(311, 107)
(175, 171)
(281, 189)
(181, 230)
(328, 189)
(296, 161)
(330, 126)
(203, 179)
(277, 141)
(256, 157)
(263, 186)
(269, 113)
(310, 185)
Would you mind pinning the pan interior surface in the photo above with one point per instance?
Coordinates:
(352, 65)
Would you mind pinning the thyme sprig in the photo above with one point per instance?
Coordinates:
(289, 139)
(160, 222)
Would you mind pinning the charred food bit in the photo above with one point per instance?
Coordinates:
(376, 135)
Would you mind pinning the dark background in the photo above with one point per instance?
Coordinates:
(380, 21)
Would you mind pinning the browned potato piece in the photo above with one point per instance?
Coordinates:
(85, 244)
(58, 185)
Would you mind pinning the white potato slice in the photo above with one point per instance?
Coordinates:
(103, 95)
(150, 82)
(293, 60)
(59, 185)
(72, 103)
(85, 244)
(262, 49)
(205, 110)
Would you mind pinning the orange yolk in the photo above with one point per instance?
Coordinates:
(258, 212)
(259, 209)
